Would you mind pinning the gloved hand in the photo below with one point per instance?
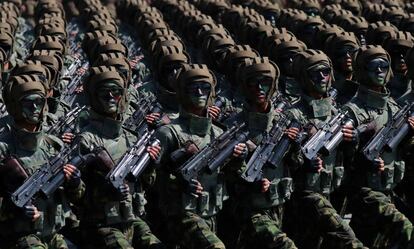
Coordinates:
(316, 164)
(379, 164)
(31, 212)
(123, 192)
(350, 133)
(153, 118)
(411, 122)
(213, 112)
(195, 188)
(72, 175)
(240, 151)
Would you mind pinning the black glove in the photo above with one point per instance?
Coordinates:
(30, 211)
(316, 164)
(194, 188)
(123, 192)
(75, 180)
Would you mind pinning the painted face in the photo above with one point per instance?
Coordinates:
(171, 70)
(286, 61)
(259, 89)
(109, 96)
(199, 93)
(344, 57)
(377, 71)
(398, 63)
(32, 106)
(320, 75)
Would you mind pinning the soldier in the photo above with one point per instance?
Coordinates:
(283, 53)
(110, 218)
(315, 179)
(37, 224)
(397, 47)
(375, 219)
(404, 189)
(259, 206)
(340, 49)
(190, 208)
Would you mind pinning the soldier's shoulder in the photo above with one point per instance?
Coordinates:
(5, 143)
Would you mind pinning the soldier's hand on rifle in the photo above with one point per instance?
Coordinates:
(379, 164)
(240, 150)
(72, 175)
(213, 112)
(316, 164)
(79, 89)
(292, 133)
(153, 118)
(31, 212)
(265, 185)
(350, 134)
(195, 188)
(68, 137)
(154, 152)
(411, 122)
(123, 192)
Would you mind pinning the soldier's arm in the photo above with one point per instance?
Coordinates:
(168, 144)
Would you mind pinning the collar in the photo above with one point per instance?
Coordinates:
(292, 87)
(373, 99)
(319, 108)
(257, 121)
(26, 140)
(108, 127)
(196, 124)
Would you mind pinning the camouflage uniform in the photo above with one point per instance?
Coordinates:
(375, 219)
(32, 150)
(310, 203)
(190, 221)
(106, 220)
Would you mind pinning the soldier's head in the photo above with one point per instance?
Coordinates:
(168, 61)
(235, 58)
(313, 69)
(409, 58)
(258, 78)
(341, 49)
(25, 98)
(106, 89)
(283, 52)
(372, 66)
(397, 47)
(195, 87)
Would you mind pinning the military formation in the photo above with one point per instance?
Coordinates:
(206, 124)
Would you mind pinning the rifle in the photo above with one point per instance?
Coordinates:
(326, 139)
(75, 82)
(3, 110)
(390, 136)
(134, 161)
(48, 178)
(137, 123)
(66, 124)
(271, 150)
(211, 157)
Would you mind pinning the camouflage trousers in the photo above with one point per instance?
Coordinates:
(190, 231)
(314, 223)
(263, 230)
(138, 235)
(33, 242)
(377, 222)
